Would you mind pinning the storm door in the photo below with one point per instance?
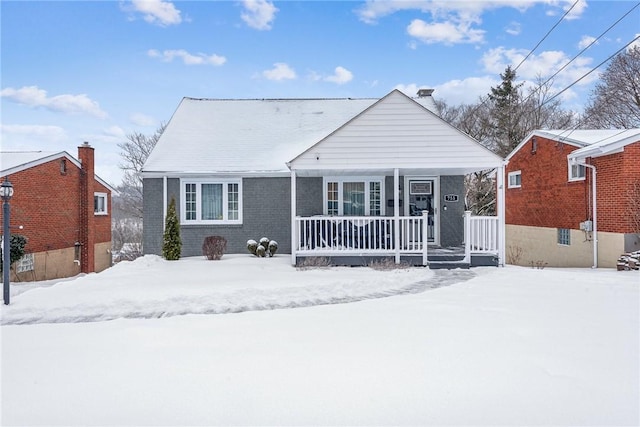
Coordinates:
(421, 196)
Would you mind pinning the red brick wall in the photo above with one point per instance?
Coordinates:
(547, 199)
(47, 204)
(615, 175)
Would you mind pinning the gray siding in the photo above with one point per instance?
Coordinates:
(153, 216)
(267, 213)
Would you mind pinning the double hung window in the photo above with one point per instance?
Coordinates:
(351, 196)
(100, 204)
(515, 179)
(576, 172)
(211, 202)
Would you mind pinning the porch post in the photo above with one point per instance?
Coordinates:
(500, 195)
(425, 237)
(396, 213)
(294, 231)
(467, 237)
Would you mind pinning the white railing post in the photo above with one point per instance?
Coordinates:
(396, 214)
(425, 237)
(295, 239)
(467, 236)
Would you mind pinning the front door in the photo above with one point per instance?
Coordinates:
(421, 195)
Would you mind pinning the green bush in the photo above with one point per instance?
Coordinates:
(171, 244)
(17, 242)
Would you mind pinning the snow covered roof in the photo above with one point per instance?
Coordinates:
(248, 136)
(592, 142)
(16, 161)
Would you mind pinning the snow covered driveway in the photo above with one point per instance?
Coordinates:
(151, 287)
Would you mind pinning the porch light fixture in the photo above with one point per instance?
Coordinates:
(6, 192)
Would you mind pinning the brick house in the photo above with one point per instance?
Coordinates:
(572, 198)
(65, 212)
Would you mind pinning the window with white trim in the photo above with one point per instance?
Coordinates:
(515, 179)
(351, 196)
(100, 204)
(576, 172)
(211, 202)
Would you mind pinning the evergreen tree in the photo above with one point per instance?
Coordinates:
(171, 244)
(17, 242)
(505, 114)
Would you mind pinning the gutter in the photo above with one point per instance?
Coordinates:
(594, 214)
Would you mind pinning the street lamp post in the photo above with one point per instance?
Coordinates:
(6, 191)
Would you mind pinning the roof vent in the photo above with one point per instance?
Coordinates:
(424, 92)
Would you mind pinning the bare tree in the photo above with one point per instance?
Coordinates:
(135, 152)
(615, 101)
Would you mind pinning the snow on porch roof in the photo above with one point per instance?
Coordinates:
(248, 136)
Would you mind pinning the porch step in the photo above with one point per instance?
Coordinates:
(437, 265)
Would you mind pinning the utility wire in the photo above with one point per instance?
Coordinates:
(580, 53)
(546, 35)
(589, 72)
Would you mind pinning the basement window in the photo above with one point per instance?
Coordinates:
(564, 236)
(100, 203)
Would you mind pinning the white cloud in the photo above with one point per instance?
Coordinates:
(585, 41)
(157, 12)
(341, 76)
(187, 58)
(577, 10)
(280, 71)
(258, 14)
(33, 96)
(32, 134)
(514, 28)
(444, 32)
(140, 119)
(115, 132)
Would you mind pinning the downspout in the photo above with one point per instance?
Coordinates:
(595, 215)
(164, 202)
(294, 228)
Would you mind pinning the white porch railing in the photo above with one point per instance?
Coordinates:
(351, 235)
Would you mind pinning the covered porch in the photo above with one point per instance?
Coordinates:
(390, 183)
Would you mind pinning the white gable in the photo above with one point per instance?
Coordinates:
(397, 132)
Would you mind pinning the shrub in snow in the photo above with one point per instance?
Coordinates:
(252, 245)
(213, 247)
(272, 248)
(264, 242)
(17, 242)
(263, 248)
(171, 243)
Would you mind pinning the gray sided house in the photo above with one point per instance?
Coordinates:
(347, 179)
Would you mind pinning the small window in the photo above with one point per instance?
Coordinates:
(100, 203)
(564, 236)
(63, 166)
(515, 179)
(576, 172)
(26, 263)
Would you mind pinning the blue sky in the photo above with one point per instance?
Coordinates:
(98, 70)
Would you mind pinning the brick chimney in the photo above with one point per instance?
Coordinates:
(87, 227)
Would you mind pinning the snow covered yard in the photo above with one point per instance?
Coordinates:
(499, 346)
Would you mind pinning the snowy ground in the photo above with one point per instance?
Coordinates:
(488, 346)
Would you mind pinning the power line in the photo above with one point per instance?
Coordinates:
(546, 35)
(581, 52)
(590, 71)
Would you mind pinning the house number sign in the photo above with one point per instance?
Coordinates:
(450, 197)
